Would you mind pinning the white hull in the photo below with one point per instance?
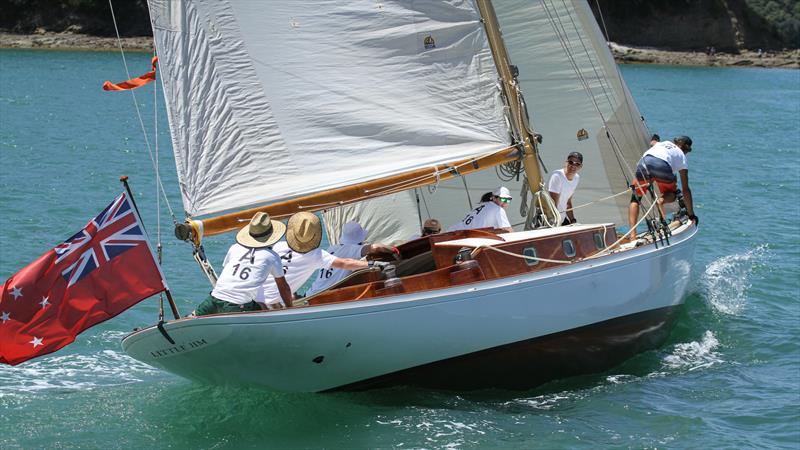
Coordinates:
(332, 346)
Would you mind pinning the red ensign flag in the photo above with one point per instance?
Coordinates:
(102, 270)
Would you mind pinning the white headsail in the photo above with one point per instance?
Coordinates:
(571, 84)
(270, 100)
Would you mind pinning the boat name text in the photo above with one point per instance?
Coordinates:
(192, 345)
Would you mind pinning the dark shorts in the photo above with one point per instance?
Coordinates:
(651, 169)
(213, 305)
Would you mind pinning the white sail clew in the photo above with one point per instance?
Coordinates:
(570, 82)
(270, 100)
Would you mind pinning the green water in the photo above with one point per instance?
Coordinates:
(728, 377)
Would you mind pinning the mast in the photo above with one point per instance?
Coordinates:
(510, 86)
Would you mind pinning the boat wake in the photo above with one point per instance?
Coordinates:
(727, 279)
(694, 355)
(75, 371)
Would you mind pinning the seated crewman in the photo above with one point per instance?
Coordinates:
(490, 213)
(247, 265)
(301, 256)
(351, 246)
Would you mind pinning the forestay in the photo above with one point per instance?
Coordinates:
(272, 100)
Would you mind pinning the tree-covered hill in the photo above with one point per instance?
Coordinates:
(727, 25)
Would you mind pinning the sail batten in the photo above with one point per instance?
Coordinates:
(272, 100)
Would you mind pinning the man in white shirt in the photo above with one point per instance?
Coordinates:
(489, 214)
(351, 246)
(247, 265)
(562, 185)
(659, 164)
(301, 257)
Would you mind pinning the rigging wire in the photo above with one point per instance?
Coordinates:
(561, 35)
(153, 159)
(616, 67)
(563, 38)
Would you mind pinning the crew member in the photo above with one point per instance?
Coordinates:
(490, 213)
(562, 185)
(659, 164)
(351, 246)
(247, 265)
(301, 256)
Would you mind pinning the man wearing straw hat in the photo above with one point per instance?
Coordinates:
(351, 245)
(247, 265)
(301, 257)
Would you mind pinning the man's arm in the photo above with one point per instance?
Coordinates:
(285, 290)
(687, 192)
(379, 250)
(349, 264)
(570, 214)
(555, 196)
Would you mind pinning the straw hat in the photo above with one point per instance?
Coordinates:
(303, 232)
(352, 233)
(261, 231)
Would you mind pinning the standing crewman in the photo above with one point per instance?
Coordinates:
(659, 164)
(563, 183)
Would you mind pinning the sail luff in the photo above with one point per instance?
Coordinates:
(502, 62)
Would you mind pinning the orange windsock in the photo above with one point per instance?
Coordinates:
(133, 83)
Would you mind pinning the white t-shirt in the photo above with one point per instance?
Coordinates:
(671, 153)
(560, 185)
(486, 214)
(327, 277)
(244, 271)
(297, 267)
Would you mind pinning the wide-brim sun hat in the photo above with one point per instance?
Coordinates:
(261, 231)
(352, 233)
(303, 232)
(502, 192)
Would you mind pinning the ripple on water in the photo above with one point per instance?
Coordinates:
(74, 371)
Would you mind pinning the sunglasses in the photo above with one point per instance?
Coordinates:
(574, 163)
(505, 199)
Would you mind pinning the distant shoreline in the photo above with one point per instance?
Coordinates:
(789, 59)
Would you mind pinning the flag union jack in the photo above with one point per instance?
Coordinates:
(113, 232)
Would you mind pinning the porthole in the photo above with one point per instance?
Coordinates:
(599, 240)
(530, 252)
(569, 248)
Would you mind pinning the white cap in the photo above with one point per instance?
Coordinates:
(352, 233)
(502, 192)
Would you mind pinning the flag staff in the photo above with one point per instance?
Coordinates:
(124, 180)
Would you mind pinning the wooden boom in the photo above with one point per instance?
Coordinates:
(345, 195)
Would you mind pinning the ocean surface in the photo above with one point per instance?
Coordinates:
(728, 377)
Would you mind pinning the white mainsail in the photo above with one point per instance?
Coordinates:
(271, 100)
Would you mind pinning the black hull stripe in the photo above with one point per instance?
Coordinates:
(532, 362)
